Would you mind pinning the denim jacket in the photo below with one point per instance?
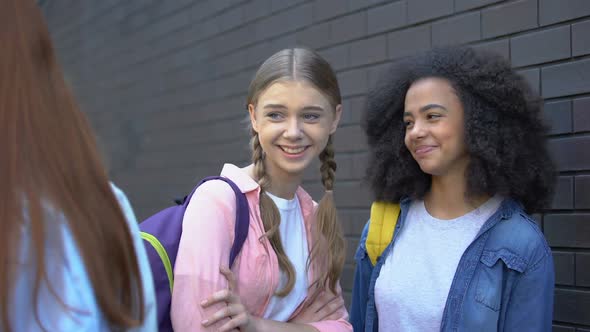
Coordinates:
(504, 280)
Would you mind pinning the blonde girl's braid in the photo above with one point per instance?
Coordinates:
(270, 215)
(328, 234)
(328, 166)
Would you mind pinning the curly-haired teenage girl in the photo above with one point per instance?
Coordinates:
(456, 139)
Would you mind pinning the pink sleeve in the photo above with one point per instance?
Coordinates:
(204, 247)
(339, 325)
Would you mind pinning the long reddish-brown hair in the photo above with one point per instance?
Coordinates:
(49, 157)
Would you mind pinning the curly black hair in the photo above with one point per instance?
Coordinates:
(504, 131)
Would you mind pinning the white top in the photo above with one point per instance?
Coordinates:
(412, 288)
(124, 204)
(294, 239)
(77, 308)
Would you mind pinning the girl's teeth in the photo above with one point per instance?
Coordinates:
(293, 151)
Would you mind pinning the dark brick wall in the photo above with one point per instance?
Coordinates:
(164, 84)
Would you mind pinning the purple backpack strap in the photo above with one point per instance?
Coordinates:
(242, 216)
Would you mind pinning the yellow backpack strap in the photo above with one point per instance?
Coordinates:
(381, 226)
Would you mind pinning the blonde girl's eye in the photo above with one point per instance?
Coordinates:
(274, 116)
(311, 117)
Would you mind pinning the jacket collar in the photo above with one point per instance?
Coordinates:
(239, 177)
(247, 184)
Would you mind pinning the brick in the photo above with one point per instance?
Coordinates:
(257, 53)
(561, 328)
(349, 139)
(347, 295)
(566, 79)
(408, 41)
(423, 10)
(583, 269)
(558, 115)
(570, 153)
(168, 24)
(326, 9)
(131, 178)
(387, 17)
(347, 279)
(312, 173)
(582, 192)
(551, 11)
(351, 246)
(356, 5)
(572, 306)
(285, 41)
(538, 219)
(461, 5)
(205, 133)
(540, 46)
(564, 268)
(232, 18)
(356, 108)
(360, 163)
(257, 9)
(314, 36)
(508, 18)
(568, 230)
(353, 221)
(352, 195)
(532, 76)
(581, 38)
(375, 73)
(368, 51)
(337, 56)
(240, 37)
(345, 167)
(564, 193)
(349, 27)
(457, 30)
(352, 82)
(352, 109)
(279, 5)
(289, 20)
(501, 47)
(581, 115)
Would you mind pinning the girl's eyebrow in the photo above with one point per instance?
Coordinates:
(313, 108)
(274, 106)
(431, 106)
(306, 108)
(426, 108)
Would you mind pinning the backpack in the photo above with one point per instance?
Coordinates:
(161, 234)
(382, 224)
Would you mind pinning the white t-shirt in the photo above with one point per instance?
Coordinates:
(294, 239)
(412, 288)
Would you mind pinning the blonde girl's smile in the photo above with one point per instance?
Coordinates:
(293, 120)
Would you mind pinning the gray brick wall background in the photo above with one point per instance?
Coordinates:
(164, 85)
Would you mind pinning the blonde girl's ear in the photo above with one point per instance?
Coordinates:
(252, 112)
(337, 115)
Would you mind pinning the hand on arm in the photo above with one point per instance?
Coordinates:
(325, 307)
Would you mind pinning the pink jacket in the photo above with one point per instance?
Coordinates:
(206, 240)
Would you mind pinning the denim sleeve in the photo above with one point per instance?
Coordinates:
(362, 280)
(531, 304)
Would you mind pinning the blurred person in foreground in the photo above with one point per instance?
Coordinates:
(70, 261)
